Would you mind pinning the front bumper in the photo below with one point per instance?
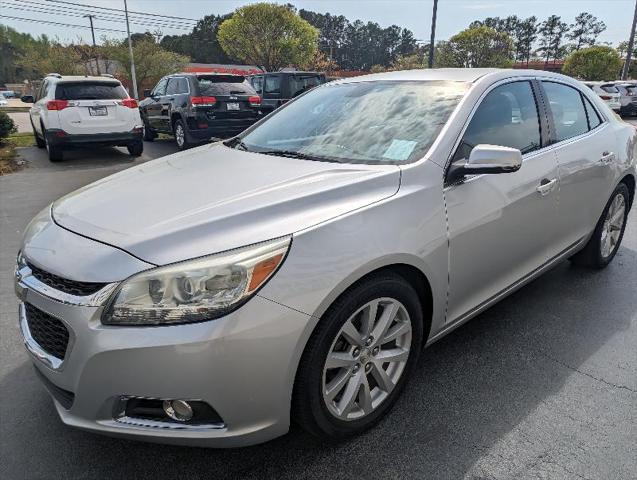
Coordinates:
(60, 138)
(242, 365)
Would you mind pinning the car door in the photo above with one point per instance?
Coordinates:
(154, 108)
(500, 226)
(585, 146)
(170, 101)
(38, 105)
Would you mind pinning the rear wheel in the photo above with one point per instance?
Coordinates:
(609, 232)
(180, 135)
(359, 358)
(135, 149)
(55, 152)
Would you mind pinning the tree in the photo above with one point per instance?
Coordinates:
(526, 34)
(593, 63)
(41, 58)
(269, 35)
(151, 61)
(201, 45)
(476, 47)
(585, 30)
(552, 32)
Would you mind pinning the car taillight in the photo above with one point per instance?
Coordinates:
(203, 101)
(605, 97)
(130, 103)
(57, 104)
(255, 100)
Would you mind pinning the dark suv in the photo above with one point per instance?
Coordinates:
(279, 87)
(197, 107)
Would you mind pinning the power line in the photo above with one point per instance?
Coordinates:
(39, 8)
(59, 23)
(120, 10)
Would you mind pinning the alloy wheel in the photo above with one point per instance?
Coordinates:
(613, 226)
(179, 135)
(367, 359)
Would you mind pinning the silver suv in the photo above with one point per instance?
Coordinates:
(295, 272)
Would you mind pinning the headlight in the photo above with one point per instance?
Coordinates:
(195, 290)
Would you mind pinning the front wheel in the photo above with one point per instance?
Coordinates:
(609, 232)
(358, 359)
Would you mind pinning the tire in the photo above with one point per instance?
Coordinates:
(181, 135)
(55, 153)
(39, 142)
(135, 149)
(317, 410)
(149, 133)
(609, 232)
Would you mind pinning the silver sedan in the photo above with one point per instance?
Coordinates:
(295, 272)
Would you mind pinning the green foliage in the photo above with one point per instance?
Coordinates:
(269, 35)
(7, 126)
(151, 61)
(585, 30)
(201, 45)
(552, 32)
(479, 46)
(39, 59)
(593, 63)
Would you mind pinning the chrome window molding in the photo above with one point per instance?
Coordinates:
(54, 363)
(24, 279)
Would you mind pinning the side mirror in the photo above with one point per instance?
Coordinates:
(486, 159)
(146, 93)
(28, 99)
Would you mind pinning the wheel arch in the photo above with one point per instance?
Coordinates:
(174, 116)
(629, 181)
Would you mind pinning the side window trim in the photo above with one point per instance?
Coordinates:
(552, 132)
(540, 110)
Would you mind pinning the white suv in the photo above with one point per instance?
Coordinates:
(74, 111)
(607, 92)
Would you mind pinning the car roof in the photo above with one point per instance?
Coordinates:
(470, 75)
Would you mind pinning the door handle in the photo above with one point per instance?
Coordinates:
(607, 157)
(546, 186)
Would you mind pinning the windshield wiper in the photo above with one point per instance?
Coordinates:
(238, 144)
(290, 154)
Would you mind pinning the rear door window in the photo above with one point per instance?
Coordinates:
(220, 85)
(273, 85)
(301, 83)
(567, 108)
(176, 86)
(90, 91)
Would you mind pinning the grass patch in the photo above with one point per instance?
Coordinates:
(15, 109)
(24, 139)
(8, 153)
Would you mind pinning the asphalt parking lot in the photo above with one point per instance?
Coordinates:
(542, 386)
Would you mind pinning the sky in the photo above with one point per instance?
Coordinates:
(453, 15)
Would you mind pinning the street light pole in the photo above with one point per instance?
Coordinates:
(433, 35)
(97, 61)
(631, 45)
(130, 52)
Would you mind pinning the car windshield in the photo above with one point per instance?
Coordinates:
(216, 85)
(90, 91)
(363, 122)
(302, 83)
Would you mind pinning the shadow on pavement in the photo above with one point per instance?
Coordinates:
(473, 387)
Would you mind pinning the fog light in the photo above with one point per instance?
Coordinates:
(178, 410)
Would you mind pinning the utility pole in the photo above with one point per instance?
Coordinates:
(130, 51)
(631, 45)
(433, 35)
(97, 60)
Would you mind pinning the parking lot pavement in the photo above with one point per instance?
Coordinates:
(543, 385)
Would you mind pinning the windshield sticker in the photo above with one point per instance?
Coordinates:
(400, 149)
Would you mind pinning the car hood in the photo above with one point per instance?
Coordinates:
(214, 198)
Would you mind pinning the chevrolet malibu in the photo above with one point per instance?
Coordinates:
(294, 272)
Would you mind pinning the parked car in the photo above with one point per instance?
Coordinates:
(83, 111)
(628, 98)
(294, 272)
(197, 107)
(8, 93)
(607, 92)
(279, 87)
(3, 101)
